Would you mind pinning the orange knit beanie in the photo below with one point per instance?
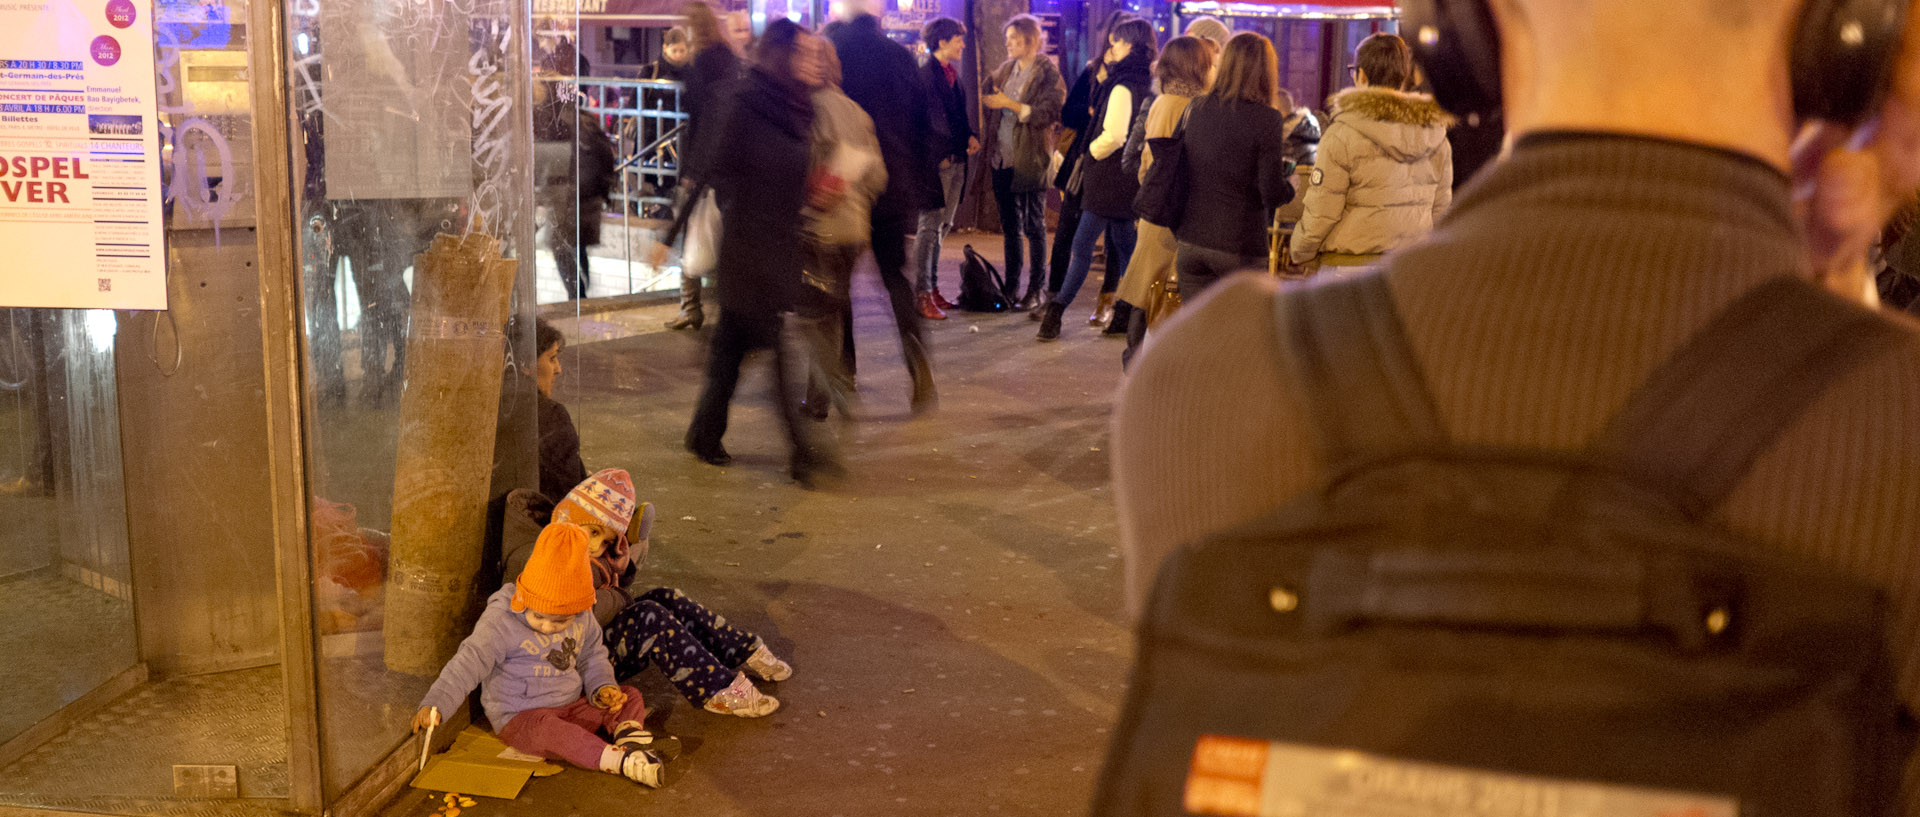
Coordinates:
(556, 580)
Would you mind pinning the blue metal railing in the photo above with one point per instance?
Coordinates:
(645, 118)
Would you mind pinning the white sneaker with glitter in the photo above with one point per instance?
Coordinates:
(742, 699)
(766, 667)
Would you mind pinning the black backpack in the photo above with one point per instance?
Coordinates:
(1446, 630)
(981, 289)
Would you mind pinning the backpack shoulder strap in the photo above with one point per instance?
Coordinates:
(1707, 414)
(1347, 349)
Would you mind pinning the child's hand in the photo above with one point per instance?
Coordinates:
(609, 698)
(639, 531)
(426, 718)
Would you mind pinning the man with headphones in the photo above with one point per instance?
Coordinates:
(1653, 181)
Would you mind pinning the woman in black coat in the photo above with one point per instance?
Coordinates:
(1075, 117)
(1106, 189)
(709, 77)
(759, 179)
(1238, 167)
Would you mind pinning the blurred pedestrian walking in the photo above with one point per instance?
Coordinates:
(881, 77)
(767, 142)
(848, 174)
(715, 67)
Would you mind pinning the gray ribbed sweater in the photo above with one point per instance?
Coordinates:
(1558, 282)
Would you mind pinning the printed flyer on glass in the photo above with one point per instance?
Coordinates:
(80, 195)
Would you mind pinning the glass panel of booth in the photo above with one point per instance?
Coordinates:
(413, 159)
(607, 130)
(135, 566)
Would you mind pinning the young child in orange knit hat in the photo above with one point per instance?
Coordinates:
(543, 673)
(708, 659)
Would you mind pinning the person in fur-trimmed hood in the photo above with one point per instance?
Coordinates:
(1384, 173)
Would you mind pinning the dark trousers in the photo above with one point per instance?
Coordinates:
(1022, 215)
(323, 321)
(821, 323)
(384, 305)
(890, 255)
(1136, 335)
(737, 335)
(698, 651)
(1063, 235)
(570, 255)
(1199, 268)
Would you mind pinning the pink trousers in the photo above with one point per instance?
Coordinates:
(572, 732)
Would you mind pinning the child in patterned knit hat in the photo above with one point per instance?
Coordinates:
(707, 659)
(543, 672)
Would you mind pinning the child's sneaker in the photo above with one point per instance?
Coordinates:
(742, 699)
(632, 735)
(649, 769)
(766, 667)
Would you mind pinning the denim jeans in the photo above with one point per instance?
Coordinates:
(934, 226)
(1120, 235)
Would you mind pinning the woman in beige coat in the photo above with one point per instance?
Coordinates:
(848, 175)
(1385, 171)
(1184, 71)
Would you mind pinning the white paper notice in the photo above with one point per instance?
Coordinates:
(80, 195)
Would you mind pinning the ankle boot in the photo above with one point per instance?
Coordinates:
(687, 320)
(1039, 308)
(1102, 310)
(1122, 313)
(1050, 325)
(1027, 302)
(926, 397)
(691, 315)
(928, 309)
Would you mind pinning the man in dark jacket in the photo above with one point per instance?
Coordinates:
(880, 75)
(953, 141)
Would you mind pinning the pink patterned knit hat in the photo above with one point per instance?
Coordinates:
(606, 497)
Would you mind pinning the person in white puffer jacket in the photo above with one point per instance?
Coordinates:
(1384, 173)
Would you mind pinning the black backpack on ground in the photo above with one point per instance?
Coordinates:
(1447, 630)
(981, 289)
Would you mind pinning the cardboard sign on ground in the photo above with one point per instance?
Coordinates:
(480, 764)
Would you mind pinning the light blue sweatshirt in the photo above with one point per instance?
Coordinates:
(519, 669)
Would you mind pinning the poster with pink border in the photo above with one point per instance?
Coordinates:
(80, 190)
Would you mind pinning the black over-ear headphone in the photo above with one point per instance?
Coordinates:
(1842, 61)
